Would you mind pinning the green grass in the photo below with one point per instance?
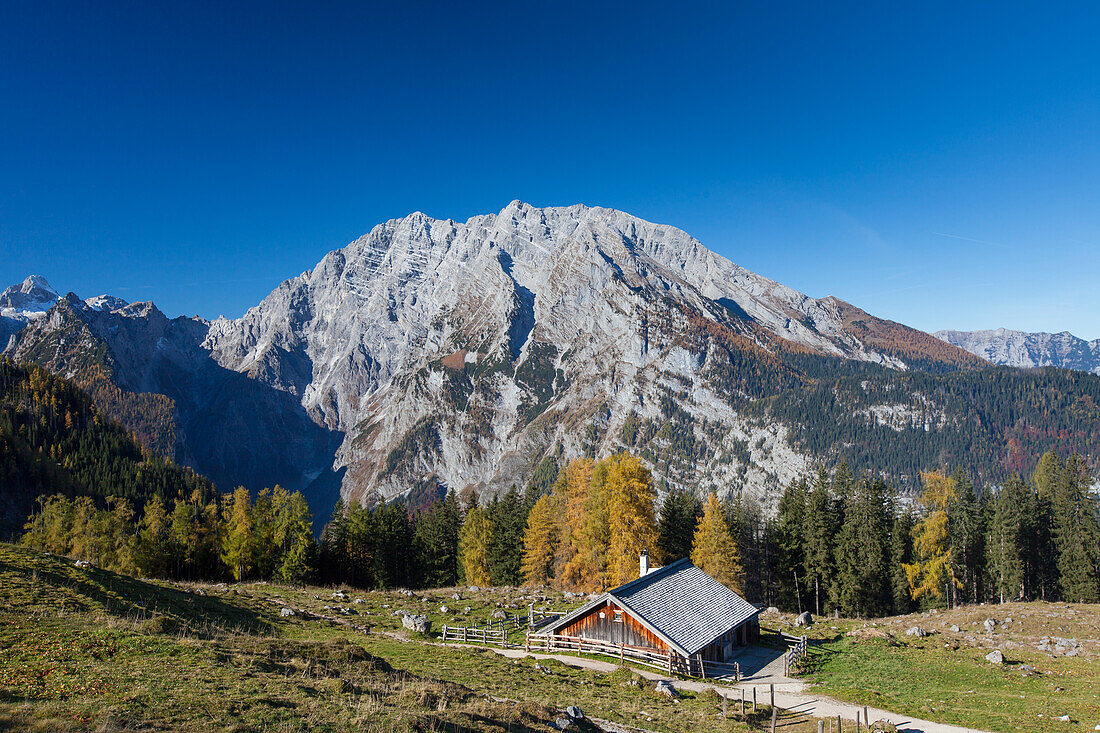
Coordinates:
(85, 649)
(945, 676)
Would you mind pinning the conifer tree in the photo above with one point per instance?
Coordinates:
(508, 515)
(966, 540)
(293, 536)
(930, 574)
(1008, 546)
(473, 546)
(714, 550)
(237, 541)
(818, 540)
(1077, 532)
(437, 542)
(632, 527)
(153, 554)
(540, 541)
(676, 528)
(863, 553)
(901, 554)
(334, 546)
(789, 522)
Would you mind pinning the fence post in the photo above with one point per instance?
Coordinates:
(772, 687)
(725, 702)
(736, 671)
(622, 653)
(444, 633)
(857, 721)
(866, 719)
(838, 730)
(773, 719)
(821, 726)
(754, 699)
(743, 703)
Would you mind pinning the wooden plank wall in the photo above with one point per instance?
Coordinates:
(609, 629)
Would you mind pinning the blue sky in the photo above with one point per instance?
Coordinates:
(934, 164)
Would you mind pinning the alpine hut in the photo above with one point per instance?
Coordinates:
(676, 610)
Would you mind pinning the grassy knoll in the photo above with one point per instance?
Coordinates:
(85, 649)
(945, 676)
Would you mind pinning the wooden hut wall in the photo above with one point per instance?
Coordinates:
(611, 624)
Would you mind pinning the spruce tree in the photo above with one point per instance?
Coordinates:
(863, 552)
(789, 526)
(436, 540)
(1077, 531)
(508, 515)
(676, 527)
(817, 546)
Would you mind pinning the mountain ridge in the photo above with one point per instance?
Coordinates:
(1028, 349)
(431, 354)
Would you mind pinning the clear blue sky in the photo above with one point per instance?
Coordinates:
(934, 163)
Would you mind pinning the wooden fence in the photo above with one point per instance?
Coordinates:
(472, 634)
(795, 653)
(666, 661)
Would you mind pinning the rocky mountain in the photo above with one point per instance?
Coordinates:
(480, 354)
(1022, 349)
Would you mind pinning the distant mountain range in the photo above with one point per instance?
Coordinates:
(1022, 349)
(475, 355)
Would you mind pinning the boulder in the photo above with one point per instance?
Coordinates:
(990, 624)
(665, 687)
(916, 631)
(419, 624)
(286, 612)
(771, 610)
(499, 614)
(954, 629)
(473, 589)
(1027, 670)
(444, 609)
(456, 597)
(804, 619)
(995, 657)
(574, 712)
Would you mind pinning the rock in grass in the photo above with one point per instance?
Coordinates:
(1027, 670)
(995, 657)
(419, 624)
(916, 631)
(665, 687)
(804, 619)
(286, 612)
(574, 712)
(990, 624)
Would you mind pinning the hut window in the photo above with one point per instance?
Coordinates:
(618, 616)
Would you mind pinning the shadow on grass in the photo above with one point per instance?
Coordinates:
(91, 588)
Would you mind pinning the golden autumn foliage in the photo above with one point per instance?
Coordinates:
(540, 540)
(473, 546)
(931, 572)
(587, 535)
(714, 550)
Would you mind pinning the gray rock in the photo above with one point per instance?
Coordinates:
(473, 589)
(916, 631)
(772, 610)
(953, 628)
(500, 614)
(1027, 670)
(995, 657)
(444, 609)
(665, 687)
(286, 612)
(804, 619)
(419, 624)
(989, 624)
(574, 712)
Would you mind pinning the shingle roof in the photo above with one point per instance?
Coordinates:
(680, 603)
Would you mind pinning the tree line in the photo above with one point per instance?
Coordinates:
(192, 538)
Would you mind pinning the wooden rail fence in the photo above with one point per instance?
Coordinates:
(669, 662)
(795, 653)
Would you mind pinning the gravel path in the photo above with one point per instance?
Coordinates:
(790, 694)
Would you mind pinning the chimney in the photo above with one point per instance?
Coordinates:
(643, 564)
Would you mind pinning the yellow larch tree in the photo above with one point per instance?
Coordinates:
(474, 540)
(930, 574)
(714, 550)
(632, 526)
(540, 540)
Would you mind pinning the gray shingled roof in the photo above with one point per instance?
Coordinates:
(680, 603)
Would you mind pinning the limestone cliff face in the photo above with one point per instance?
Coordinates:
(435, 353)
(1021, 349)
